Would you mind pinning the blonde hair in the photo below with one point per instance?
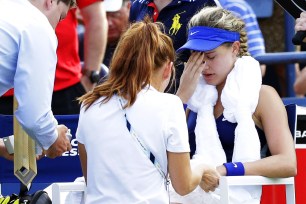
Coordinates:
(141, 50)
(218, 17)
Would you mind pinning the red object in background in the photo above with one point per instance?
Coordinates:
(273, 195)
(300, 179)
(277, 194)
(9, 93)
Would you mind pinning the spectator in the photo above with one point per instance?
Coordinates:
(28, 59)
(300, 81)
(131, 100)
(117, 13)
(71, 81)
(118, 22)
(174, 14)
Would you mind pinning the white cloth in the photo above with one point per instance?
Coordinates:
(75, 197)
(27, 63)
(203, 102)
(118, 171)
(239, 98)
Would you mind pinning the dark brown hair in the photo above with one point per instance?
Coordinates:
(69, 3)
(142, 49)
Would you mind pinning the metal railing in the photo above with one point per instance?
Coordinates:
(289, 57)
(282, 58)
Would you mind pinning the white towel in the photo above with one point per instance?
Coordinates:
(203, 102)
(239, 99)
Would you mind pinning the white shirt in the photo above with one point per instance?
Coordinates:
(117, 169)
(27, 63)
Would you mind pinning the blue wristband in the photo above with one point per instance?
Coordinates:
(234, 169)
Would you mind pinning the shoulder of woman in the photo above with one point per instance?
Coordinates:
(269, 100)
(268, 93)
(266, 89)
(172, 101)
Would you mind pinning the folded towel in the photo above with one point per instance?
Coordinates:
(209, 148)
(239, 99)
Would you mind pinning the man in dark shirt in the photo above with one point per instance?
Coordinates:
(118, 21)
(175, 15)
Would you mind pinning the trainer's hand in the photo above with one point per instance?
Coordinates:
(191, 75)
(3, 151)
(61, 144)
(210, 180)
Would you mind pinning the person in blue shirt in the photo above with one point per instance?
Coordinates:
(174, 14)
(256, 43)
(28, 59)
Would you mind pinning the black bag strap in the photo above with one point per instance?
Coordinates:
(143, 146)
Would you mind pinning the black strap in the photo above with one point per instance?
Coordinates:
(128, 125)
(24, 189)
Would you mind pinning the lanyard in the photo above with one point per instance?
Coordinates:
(144, 148)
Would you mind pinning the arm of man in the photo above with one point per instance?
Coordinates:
(33, 83)
(95, 39)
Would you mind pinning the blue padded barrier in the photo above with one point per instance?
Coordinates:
(300, 101)
(281, 57)
(65, 168)
(288, 58)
